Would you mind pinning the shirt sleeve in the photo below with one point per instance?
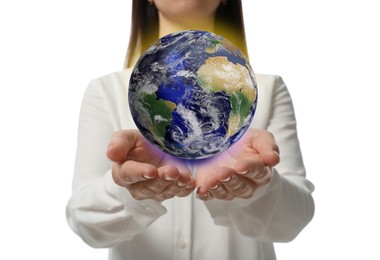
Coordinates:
(102, 213)
(278, 211)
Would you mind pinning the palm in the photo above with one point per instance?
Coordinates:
(238, 171)
(137, 148)
(146, 171)
(241, 150)
(145, 152)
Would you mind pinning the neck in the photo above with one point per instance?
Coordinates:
(167, 26)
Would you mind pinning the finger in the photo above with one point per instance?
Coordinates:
(152, 189)
(265, 143)
(116, 176)
(204, 195)
(120, 144)
(248, 167)
(184, 180)
(140, 192)
(188, 189)
(220, 192)
(255, 170)
(169, 173)
(185, 184)
(133, 172)
(213, 180)
(175, 190)
(263, 176)
(170, 177)
(166, 176)
(165, 186)
(239, 187)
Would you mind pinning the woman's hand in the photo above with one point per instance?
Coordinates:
(240, 170)
(144, 170)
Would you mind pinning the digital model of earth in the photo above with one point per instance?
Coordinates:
(192, 94)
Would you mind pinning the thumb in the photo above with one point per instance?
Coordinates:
(120, 144)
(270, 156)
(266, 145)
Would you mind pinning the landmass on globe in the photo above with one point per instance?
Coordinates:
(192, 94)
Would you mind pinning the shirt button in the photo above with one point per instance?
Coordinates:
(182, 243)
(146, 207)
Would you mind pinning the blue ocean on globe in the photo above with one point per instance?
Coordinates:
(192, 94)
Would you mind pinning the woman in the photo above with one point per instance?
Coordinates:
(142, 204)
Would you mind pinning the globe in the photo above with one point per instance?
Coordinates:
(192, 94)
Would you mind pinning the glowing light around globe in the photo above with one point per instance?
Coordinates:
(192, 94)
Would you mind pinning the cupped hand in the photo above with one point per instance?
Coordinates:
(144, 170)
(240, 170)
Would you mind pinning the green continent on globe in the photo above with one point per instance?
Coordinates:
(160, 115)
(217, 74)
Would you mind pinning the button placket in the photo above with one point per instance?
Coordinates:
(182, 243)
(183, 228)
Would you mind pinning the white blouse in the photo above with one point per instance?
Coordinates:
(104, 214)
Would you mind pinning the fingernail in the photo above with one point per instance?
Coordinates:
(243, 173)
(227, 179)
(168, 178)
(214, 187)
(202, 196)
(181, 184)
(148, 177)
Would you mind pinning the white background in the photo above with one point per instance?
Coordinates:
(327, 51)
